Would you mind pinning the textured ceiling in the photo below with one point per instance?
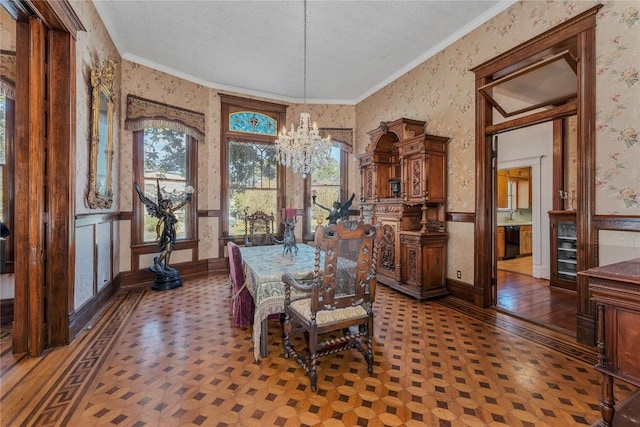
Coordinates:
(256, 47)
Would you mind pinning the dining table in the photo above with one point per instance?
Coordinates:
(264, 267)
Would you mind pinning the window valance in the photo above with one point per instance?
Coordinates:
(143, 113)
(341, 137)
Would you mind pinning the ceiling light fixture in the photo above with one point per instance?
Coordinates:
(303, 149)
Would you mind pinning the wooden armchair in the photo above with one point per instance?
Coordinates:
(337, 315)
(258, 228)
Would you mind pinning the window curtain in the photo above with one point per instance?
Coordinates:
(142, 113)
(340, 137)
(8, 74)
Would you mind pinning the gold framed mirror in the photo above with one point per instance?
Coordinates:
(100, 193)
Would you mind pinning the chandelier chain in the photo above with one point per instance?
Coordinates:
(303, 149)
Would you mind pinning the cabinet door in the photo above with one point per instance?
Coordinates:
(524, 194)
(503, 190)
(526, 235)
(500, 242)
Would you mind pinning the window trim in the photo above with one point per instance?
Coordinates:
(231, 104)
(138, 245)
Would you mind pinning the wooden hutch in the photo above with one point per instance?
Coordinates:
(404, 189)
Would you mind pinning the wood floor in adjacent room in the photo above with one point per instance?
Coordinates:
(172, 359)
(531, 298)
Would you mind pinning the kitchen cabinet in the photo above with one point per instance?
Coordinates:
(412, 249)
(500, 242)
(526, 237)
(564, 249)
(523, 194)
(503, 189)
(615, 289)
(514, 188)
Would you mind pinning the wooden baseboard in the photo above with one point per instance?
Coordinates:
(144, 277)
(461, 290)
(81, 317)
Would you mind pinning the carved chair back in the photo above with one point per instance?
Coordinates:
(258, 228)
(337, 315)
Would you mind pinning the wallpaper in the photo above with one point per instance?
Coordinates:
(441, 91)
(92, 47)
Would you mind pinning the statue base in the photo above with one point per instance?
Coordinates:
(166, 279)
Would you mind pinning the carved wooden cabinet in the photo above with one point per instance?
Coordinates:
(412, 256)
(615, 289)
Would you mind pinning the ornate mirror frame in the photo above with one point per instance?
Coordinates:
(100, 193)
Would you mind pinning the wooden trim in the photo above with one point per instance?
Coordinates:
(210, 213)
(125, 216)
(461, 217)
(79, 319)
(254, 104)
(61, 142)
(462, 290)
(558, 163)
(545, 42)
(617, 223)
(568, 109)
(585, 186)
(83, 220)
(483, 276)
(28, 329)
(144, 277)
(58, 15)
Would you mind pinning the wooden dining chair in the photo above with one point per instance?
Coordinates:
(258, 228)
(241, 306)
(337, 314)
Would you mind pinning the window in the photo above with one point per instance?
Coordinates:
(166, 164)
(252, 178)
(253, 184)
(330, 182)
(326, 184)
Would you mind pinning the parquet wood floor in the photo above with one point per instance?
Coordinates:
(172, 359)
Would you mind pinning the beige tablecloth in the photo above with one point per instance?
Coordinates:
(264, 267)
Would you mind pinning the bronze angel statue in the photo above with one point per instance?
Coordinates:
(339, 210)
(166, 227)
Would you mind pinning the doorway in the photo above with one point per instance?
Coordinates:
(577, 38)
(44, 135)
(524, 196)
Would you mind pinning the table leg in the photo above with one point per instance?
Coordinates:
(264, 335)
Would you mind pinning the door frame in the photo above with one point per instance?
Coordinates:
(578, 33)
(45, 140)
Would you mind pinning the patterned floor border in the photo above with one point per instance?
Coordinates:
(72, 384)
(540, 335)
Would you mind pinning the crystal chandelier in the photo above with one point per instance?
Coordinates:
(303, 149)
